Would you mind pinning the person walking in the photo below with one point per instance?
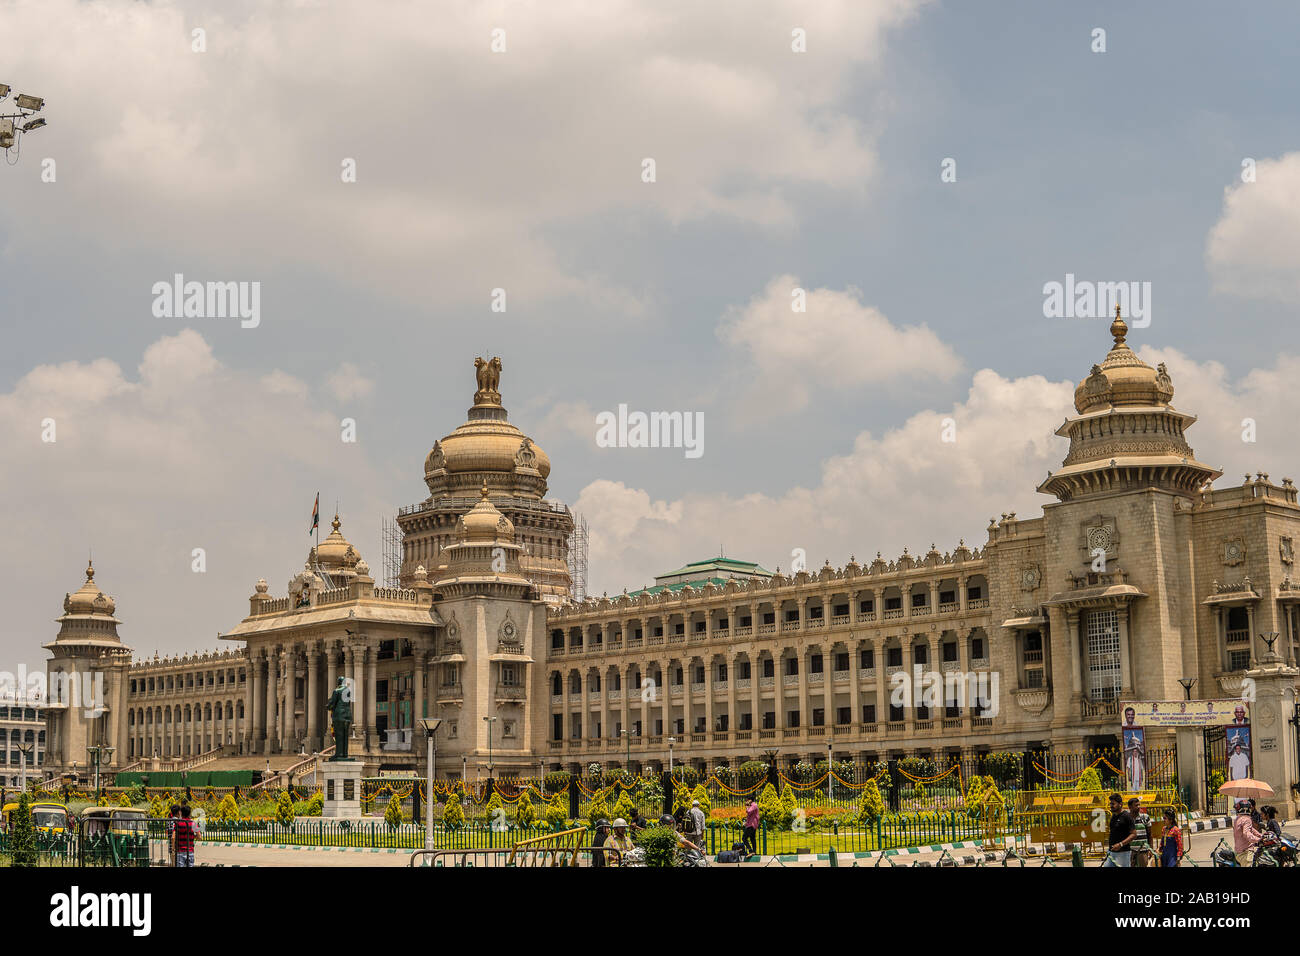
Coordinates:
(696, 820)
(1171, 845)
(1122, 833)
(186, 833)
(750, 838)
(1141, 845)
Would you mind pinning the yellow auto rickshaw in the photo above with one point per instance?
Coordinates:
(48, 816)
(120, 821)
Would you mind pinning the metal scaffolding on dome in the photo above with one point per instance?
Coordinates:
(390, 535)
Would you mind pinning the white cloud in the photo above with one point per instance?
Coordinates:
(347, 383)
(1254, 248)
(908, 488)
(187, 453)
(468, 162)
(838, 343)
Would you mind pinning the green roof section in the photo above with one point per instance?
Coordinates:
(719, 563)
(716, 582)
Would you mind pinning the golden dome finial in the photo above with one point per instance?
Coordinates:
(90, 570)
(336, 523)
(483, 493)
(1118, 328)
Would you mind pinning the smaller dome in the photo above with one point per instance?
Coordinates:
(89, 599)
(335, 552)
(1122, 378)
(484, 523)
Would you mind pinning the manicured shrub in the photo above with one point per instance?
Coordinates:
(660, 845)
(393, 815)
(1089, 780)
(557, 811)
(624, 808)
(770, 809)
(871, 805)
(227, 809)
(123, 799)
(788, 807)
(702, 795)
(316, 804)
(284, 808)
(453, 814)
(597, 808)
(525, 814)
(22, 834)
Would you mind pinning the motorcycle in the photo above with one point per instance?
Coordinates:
(1275, 850)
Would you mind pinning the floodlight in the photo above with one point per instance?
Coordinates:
(6, 133)
(33, 103)
(4, 90)
(34, 124)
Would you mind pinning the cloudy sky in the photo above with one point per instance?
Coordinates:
(1170, 157)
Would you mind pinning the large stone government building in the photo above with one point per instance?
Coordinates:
(1139, 574)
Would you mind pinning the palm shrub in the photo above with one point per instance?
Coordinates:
(22, 834)
(123, 799)
(284, 808)
(393, 815)
(453, 814)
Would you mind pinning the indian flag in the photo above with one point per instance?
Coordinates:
(315, 516)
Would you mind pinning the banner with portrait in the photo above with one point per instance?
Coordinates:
(1185, 713)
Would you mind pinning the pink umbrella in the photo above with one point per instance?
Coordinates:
(1245, 788)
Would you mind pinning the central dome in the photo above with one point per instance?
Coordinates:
(487, 449)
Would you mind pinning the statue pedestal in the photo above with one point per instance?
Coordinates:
(341, 782)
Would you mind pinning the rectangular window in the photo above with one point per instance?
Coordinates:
(866, 607)
(893, 603)
(895, 713)
(722, 671)
(792, 665)
(950, 651)
(746, 621)
(769, 720)
(699, 627)
(893, 657)
(868, 713)
(744, 670)
(977, 648)
(819, 717)
(746, 721)
(557, 726)
(843, 715)
(867, 658)
(815, 664)
(974, 592)
(815, 612)
(842, 661)
(1103, 665)
(769, 667)
(919, 598)
(792, 719)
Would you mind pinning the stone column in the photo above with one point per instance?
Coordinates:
(627, 697)
(256, 716)
(805, 714)
(882, 682)
(250, 695)
(733, 675)
(417, 690)
(688, 708)
(666, 691)
(372, 705)
(855, 685)
(1274, 744)
(313, 701)
(828, 687)
(756, 697)
(271, 737)
(709, 725)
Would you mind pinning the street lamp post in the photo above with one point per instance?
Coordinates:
(628, 734)
(99, 755)
(430, 727)
(671, 741)
(24, 751)
(1188, 683)
(490, 721)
